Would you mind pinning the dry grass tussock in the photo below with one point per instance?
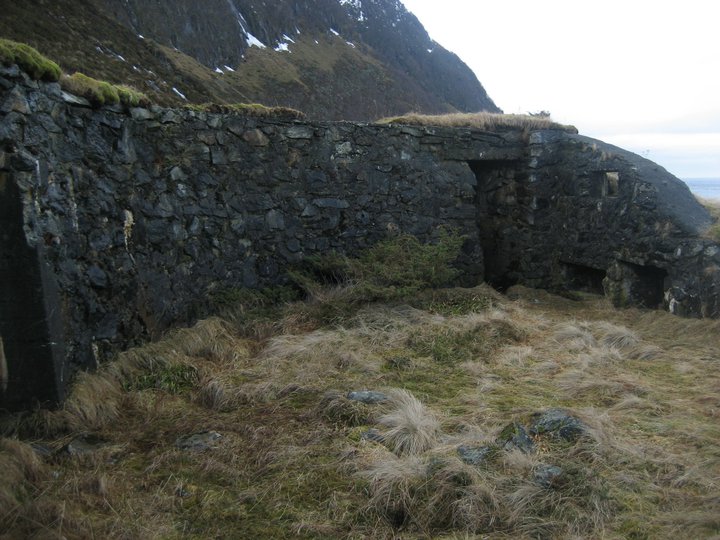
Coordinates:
(97, 399)
(295, 457)
(22, 475)
(480, 120)
(414, 493)
(412, 428)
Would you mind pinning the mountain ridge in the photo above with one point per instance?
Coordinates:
(333, 59)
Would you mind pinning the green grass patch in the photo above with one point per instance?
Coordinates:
(455, 301)
(245, 298)
(172, 378)
(255, 110)
(29, 60)
(393, 269)
(100, 93)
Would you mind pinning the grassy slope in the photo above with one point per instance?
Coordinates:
(713, 206)
(81, 38)
(292, 464)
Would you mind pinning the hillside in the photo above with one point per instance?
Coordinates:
(332, 59)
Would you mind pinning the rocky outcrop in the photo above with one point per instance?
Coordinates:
(118, 224)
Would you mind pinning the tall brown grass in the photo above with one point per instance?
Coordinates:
(297, 458)
(481, 120)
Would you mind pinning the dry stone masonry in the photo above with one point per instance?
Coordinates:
(118, 224)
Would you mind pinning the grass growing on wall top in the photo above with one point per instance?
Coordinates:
(29, 60)
(248, 109)
(100, 93)
(40, 67)
(479, 120)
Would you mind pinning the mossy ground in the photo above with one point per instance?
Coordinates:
(286, 467)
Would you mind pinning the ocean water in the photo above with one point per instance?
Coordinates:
(706, 188)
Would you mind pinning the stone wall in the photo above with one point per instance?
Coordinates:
(118, 224)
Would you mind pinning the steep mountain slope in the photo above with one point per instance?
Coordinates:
(333, 59)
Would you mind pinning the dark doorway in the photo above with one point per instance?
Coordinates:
(582, 278)
(32, 351)
(648, 284)
(496, 200)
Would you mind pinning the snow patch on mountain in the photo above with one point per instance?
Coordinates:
(283, 45)
(251, 40)
(356, 5)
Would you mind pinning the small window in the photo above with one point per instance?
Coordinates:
(612, 183)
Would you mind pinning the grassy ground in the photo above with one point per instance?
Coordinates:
(294, 460)
(713, 206)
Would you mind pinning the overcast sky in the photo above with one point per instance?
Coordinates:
(641, 74)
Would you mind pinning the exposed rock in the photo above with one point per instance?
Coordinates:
(72, 99)
(373, 435)
(370, 397)
(256, 137)
(514, 436)
(84, 444)
(198, 442)
(557, 423)
(42, 450)
(177, 174)
(97, 277)
(140, 114)
(474, 455)
(15, 101)
(547, 476)
(300, 132)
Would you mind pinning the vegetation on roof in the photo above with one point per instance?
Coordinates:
(100, 93)
(29, 60)
(479, 120)
(248, 109)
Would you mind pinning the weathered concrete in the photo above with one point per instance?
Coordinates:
(118, 224)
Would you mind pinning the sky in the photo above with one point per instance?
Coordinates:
(640, 74)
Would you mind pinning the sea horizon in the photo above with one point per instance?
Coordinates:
(704, 187)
